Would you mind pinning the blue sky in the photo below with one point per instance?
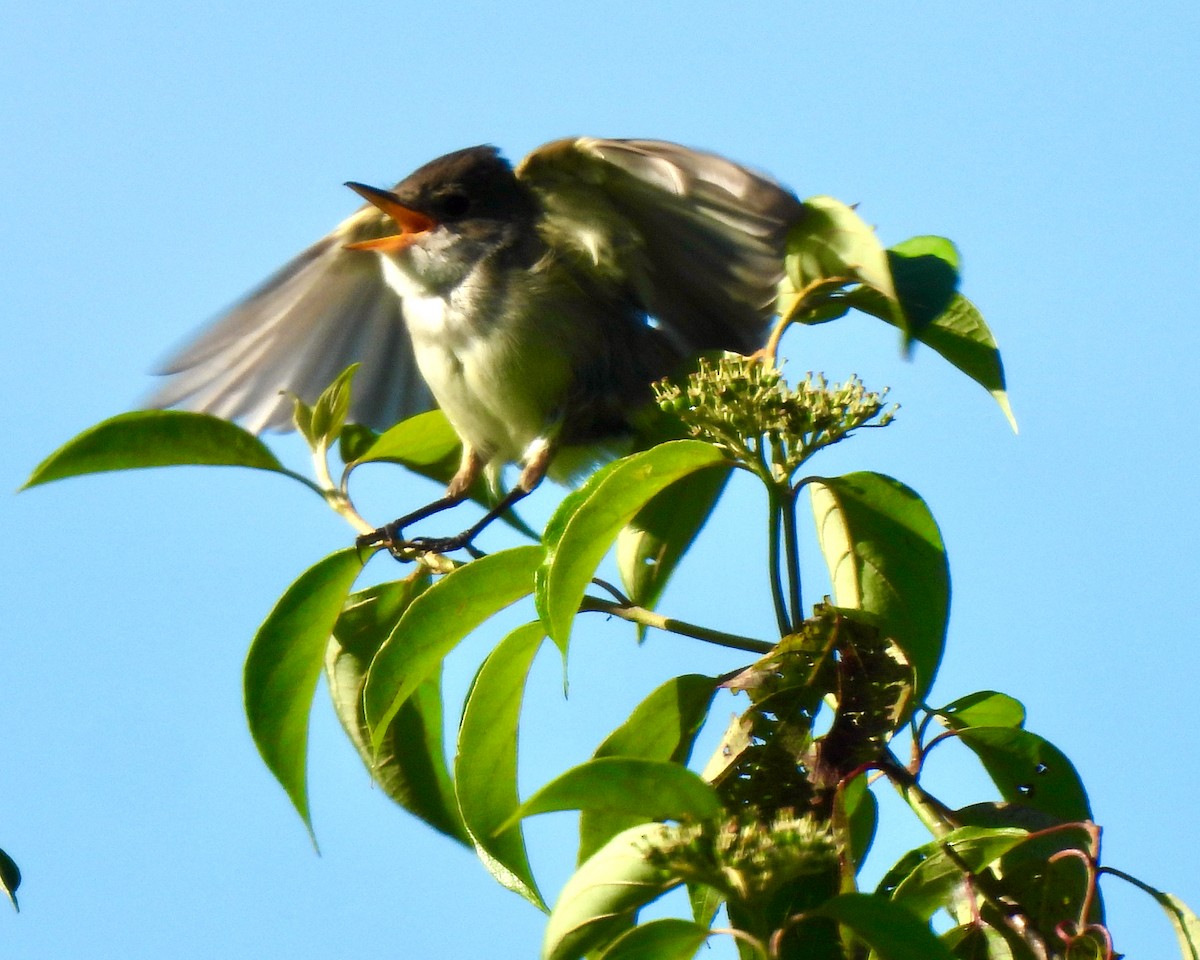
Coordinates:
(160, 160)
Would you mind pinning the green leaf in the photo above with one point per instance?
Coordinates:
(647, 789)
(662, 727)
(885, 555)
(426, 440)
(650, 547)
(706, 901)
(887, 928)
(926, 276)
(925, 272)
(435, 623)
(666, 939)
(283, 665)
(330, 410)
(599, 900)
(987, 708)
(10, 878)
(857, 804)
(927, 878)
(156, 438)
(831, 240)
(486, 766)
(962, 337)
(427, 445)
(978, 941)
(605, 504)
(354, 441)
(1030, 770)
(411, 763)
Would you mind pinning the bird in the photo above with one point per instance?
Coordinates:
(533, 304)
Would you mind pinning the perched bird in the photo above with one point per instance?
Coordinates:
(534, 306)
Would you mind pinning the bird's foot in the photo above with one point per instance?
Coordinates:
(391, 538)
(441, 544)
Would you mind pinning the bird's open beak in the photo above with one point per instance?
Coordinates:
(413, 225)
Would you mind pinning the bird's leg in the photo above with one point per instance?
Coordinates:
(392, 535)
(537, 461)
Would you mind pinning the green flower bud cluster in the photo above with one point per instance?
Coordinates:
(745, 407)
(746, 858)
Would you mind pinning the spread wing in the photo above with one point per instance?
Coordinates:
(699, 238)
(324, 310)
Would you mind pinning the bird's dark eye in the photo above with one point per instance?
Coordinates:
(454, 204)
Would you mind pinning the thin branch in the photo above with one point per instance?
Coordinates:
(774, 547)
(648, 618)
(792, 555)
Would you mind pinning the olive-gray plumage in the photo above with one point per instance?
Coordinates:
(534, 305)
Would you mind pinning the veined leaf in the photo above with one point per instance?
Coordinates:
(599, 901)
(283, 664)
(598, 511)
(888, 929)
(1030, 771)
(666, 939)
(647, 789)
(427, 445)
(410, 765)
(662, 727)
(927, 877)
(435, 623)
(651, 545)
(885, 555)
(987, 708)
(156, 438)
(831, 240)
(485, 768)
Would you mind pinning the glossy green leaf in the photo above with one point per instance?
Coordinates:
(662, 727)
(887, 928)
(987, 708)
(283, 664)
(666, 939)
(926, 277)
(10, 878)
(961, 336)
(1030, 771)
(599, 900)
(978, 941)
(705, 901)
(485, 768)
(830, 241)
(411, 763)
(427, 445)
(857, 804)
(426, 440)
(606, 503)
(927, 878)
(1049, 887)
(330, 410)
(156, 438)
(885, 555)
(435, 623)
(647, 789)
(925, 272)
(650, 547)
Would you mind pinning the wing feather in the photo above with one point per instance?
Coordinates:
(698, 238)
(327, 308)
